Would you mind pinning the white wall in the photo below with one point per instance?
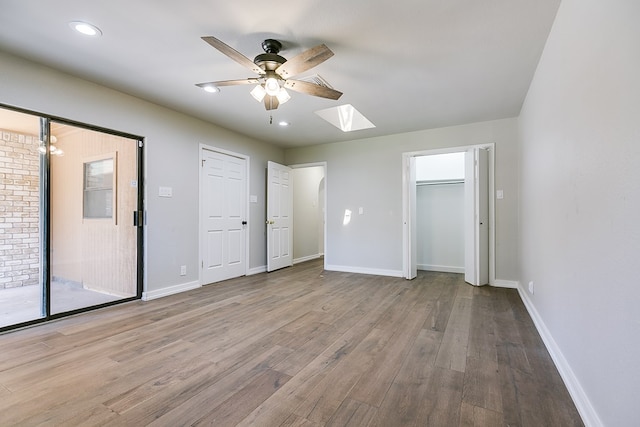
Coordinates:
(580, 204)
(367, 173)
(440, 227)
(171, 159)
(307, 212)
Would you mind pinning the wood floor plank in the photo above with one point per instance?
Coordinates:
(453, 349)
(296, 421)
(353, 414)
(482, 384)
(374, 383)
(279, 407)
(482, 338)
(222, 388)
(240, 404)
(474, 416)
(297, 347)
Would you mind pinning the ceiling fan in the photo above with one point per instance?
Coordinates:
(274, 72)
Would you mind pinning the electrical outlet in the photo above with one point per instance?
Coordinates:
(183, 270)
(531, 287)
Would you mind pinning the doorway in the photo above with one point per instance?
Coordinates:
(440, 212)
(479, 235)
(309, 199)
(72, 244)
(296, 214)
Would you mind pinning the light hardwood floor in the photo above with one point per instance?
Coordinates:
(296, 347)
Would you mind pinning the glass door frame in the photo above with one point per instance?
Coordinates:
(138, 217)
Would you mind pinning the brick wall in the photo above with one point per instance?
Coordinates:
(19, 210)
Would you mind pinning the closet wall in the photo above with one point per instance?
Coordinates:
(440, 213)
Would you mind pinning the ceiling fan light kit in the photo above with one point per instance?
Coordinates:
(274, 72)
(258, 93)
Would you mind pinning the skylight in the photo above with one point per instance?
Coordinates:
(346, 118)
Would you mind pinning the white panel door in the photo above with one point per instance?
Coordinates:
(476, 217)
(279, 217)
(223, 204)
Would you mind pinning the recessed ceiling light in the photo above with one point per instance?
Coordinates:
(211, 88)
(283, 123)
(86, 28)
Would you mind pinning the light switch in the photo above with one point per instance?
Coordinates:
(253, 198)
(499, 194)
(360, 210)
(165, 192)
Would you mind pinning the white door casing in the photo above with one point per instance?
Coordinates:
(409, 211)
(223, 202)
(279, 216)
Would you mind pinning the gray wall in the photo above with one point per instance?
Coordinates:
(580, 191)
(307, 212)
(367, 173)
(171, 159)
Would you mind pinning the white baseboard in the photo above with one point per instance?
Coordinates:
(306, 258)
(364, 270)
(580, 399)
(441, 268)
(511, 284)
(171, 290)
(257, 270)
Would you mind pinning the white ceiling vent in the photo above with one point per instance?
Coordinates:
(316, 79)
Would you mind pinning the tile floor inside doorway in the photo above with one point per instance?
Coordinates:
(23, 304)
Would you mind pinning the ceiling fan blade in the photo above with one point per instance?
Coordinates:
(233, 54)
(304, 61)
(312, 89)
(248, 81)
(271, 102)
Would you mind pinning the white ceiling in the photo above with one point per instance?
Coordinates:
(406, 64)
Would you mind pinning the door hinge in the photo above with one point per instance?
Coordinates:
(202, 264)
(202, 163)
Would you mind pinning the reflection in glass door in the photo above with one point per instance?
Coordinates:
(93, 194)
(21, 288)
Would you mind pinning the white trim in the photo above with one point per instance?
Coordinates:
(257, 270)
(170, 290)
(580, 398)
(511, 284)
(441, 268)
(306, 258)
(247, 242)
(364, 270)
(406, 204)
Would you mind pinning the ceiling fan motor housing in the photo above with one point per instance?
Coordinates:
(270, 60)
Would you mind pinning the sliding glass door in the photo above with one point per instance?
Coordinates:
(70, 239)
(93, 194)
